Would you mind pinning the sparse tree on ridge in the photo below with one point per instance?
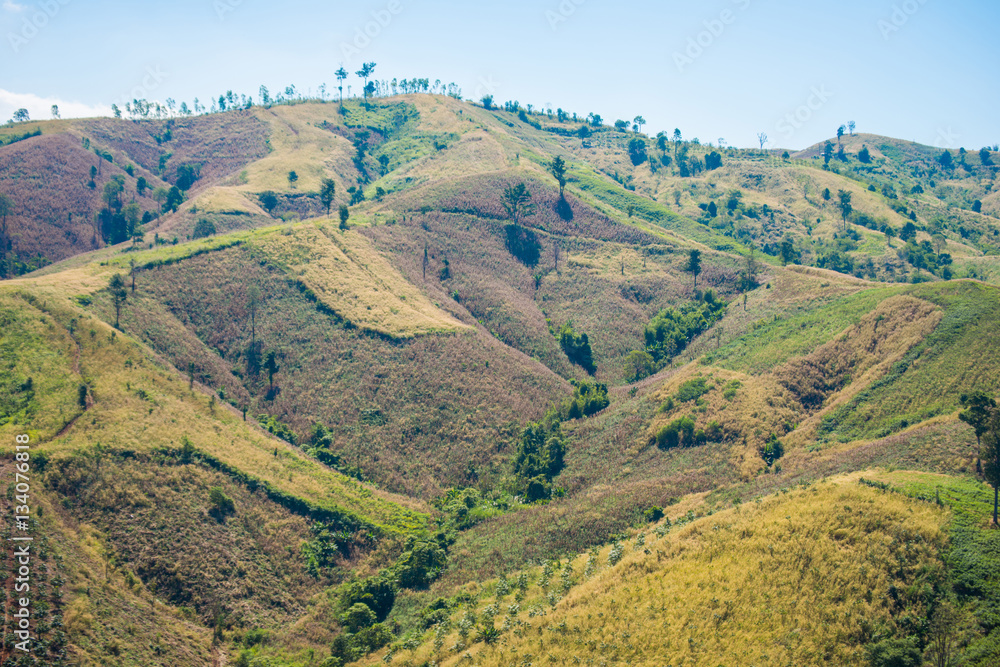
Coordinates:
(558, 170)
(327, 191)
(345, 213)
(119, 294)
(367, 69)
(55, 112)
(762, 138)
(21, 116)
(850, 126)
(693, 265)
(639, 122)
(517, 203)
(840, 132)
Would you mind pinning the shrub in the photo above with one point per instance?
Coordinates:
(221, 503)
(577, 348)
(357, 617)
(669, 332)
(653, 514)
(203, 228)
(678, 432)
(691, 390)
(772, 450)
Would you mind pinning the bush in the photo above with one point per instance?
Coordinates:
(357, 617)
(895, 653)
(672, 329)
(772, 450)
(221, 503)
(653, 514)
(577, 348)
(203, 228)
(678, 432)
(691, 390)
(377, 593)
(421, 564)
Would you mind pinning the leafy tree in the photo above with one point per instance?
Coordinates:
(55, 112)
(787, 250)
(203, 228)
(187, 174)
(693, 265)
(221, 503)
(889, 234)
(851, 125)
(978, 410)
(21, 116)
(271, 366)
(292, 178)
(487, 101)
(367, 69)
(977, 206)
(269, 200)
(845, 204)
(946, 160)
(345, 214)
(327, 191)
(991, 456)
(840, 132)
(174, 199)
(558, 170)
(827, 153)
(670, 331)
(639, 121)
(864, 156)
(713, 161)
(141, 185)
(637, 151)
(517, 203)
(908, 232)
(639, 365)
(119, 294)
(895, 653)
(984, 157)
(713, 209)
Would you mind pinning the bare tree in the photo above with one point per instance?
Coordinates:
(762, 138)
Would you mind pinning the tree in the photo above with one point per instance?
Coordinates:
(840, 132)
(694, 264)
(827, 153)
(367, 69)
(271, 366)
(132, 271)
(55, 112)
(991, 456)
(977, 206)
(558, 170)
(889, 233)
(268, 200)
(978, 407)
(341, 74)
(850, 126)
(946, 160)
(487, 101)
(6, 208)
(762, 138)
(292, 178)
(639, 365)
(787, 251)
(119, 294)
(864, 155)
(221, 503)
(327, 191)
(203, 228)
(639, 121)
(345, 213)
(984, 157)
(517, 203)
(253, 305)
(21, 116)
(845, 204)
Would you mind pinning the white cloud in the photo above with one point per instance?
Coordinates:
(12, 6)
(40, 108)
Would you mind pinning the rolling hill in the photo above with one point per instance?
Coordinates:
(692, 409)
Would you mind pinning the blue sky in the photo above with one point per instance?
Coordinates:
(924, 70)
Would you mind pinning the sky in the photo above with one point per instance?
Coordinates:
(718, 70)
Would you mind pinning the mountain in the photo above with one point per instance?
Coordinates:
(303, 432)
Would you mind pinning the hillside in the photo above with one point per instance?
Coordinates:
(712, 411)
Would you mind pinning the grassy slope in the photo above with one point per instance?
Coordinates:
(760, 584)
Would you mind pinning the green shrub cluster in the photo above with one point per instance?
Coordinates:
(540, 457)
(577, 348)
(670, 331)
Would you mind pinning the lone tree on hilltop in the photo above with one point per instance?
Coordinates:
(762, 138)
(639, 121)
(978, 407)
(119, 294)
(845, 205)
(517, 203)
(694, 265)
(327, 191)
(851, 125)
(558, 170)
(991, 456)
(366, 71)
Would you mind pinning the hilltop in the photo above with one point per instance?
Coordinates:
(306, 429)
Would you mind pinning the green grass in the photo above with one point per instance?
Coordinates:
(958, 357)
